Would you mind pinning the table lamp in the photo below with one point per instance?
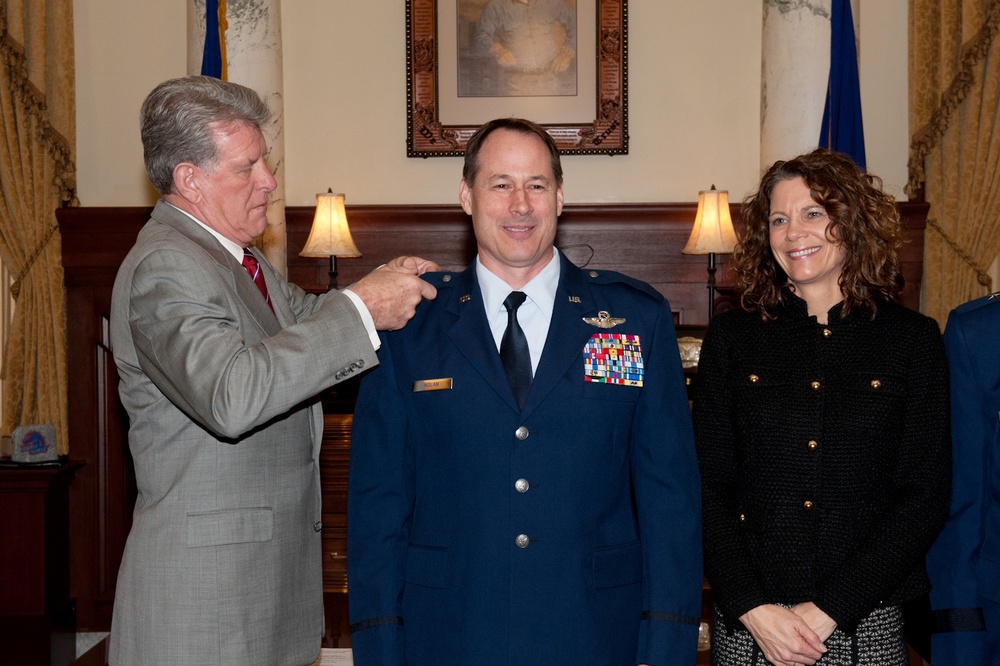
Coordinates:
(330, 235)
(712, 234)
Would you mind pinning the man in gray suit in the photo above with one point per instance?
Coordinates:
(219, 377)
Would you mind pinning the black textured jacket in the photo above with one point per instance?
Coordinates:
(825, 457)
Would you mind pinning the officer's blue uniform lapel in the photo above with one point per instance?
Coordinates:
(568, 334)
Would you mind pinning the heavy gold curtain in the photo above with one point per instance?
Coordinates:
(37, 175)
(955, 145)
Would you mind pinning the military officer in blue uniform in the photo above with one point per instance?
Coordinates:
(534, 506)
(964, 563)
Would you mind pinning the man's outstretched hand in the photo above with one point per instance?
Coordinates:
(392, 292)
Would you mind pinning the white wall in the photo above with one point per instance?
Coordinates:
(694, 101)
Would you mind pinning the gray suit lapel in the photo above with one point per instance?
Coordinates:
(239, 280)
(251, 296)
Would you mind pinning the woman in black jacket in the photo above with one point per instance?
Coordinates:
(821, 419)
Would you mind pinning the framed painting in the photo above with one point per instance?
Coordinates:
(560, 63)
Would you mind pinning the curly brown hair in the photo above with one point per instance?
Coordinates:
(863, 219)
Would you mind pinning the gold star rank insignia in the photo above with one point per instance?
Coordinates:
(604, 320)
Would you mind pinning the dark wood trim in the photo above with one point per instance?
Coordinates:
(643, 240)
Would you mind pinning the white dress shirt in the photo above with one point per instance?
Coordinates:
(535, 313)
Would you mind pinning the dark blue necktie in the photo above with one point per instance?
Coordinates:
(514, 350)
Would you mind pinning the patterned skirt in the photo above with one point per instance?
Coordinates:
(878, 641)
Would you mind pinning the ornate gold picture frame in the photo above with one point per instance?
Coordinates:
(594, 121)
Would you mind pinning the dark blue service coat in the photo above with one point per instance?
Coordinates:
(564, 533)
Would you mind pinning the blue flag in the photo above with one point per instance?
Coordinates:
(842, 128)
(211, 58)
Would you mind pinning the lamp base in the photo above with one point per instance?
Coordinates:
(333, 281)
(711, 286)
(333, 273)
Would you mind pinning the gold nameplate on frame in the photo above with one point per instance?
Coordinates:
(442, 384)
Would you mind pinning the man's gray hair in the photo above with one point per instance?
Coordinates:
(179, 118)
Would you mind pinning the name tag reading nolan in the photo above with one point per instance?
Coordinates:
(441, 384)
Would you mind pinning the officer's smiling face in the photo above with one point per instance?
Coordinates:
(515, 203)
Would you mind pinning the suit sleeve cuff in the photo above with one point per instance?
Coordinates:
(668, 638)
(950, 620)
(366, 317)
(378, 641)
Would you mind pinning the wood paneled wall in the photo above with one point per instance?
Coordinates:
(642, 240)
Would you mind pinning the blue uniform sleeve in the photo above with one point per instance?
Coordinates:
(379, 508)
(668, 502)
(953, 560)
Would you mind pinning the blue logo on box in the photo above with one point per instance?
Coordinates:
(33, 443)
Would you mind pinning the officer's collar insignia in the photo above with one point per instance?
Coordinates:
(604, 320)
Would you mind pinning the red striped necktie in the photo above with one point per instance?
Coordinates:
(253, 270)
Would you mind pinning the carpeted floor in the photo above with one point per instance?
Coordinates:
(335, 657)
(87, 640)
(327, 657)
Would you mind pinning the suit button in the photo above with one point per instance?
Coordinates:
(876, 384)
(807, 505)
(521, 433)
(445, 278)
(813, 445)
(827, 333)
(317, 527)
(522, 540)
(814, 385)
(521, 485)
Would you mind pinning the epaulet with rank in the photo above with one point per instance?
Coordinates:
(612, 277)
(439, 279)
(981, 302)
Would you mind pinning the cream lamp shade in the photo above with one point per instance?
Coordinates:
(330, 235)
(713, 231)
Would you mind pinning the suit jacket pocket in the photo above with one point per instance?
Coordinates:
(225, 526)
(426, 566)
(616, 566)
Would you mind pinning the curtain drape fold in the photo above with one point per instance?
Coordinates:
(955, 145)
(37, 176)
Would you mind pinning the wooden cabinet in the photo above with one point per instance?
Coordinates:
(37, 613)
(333, 462)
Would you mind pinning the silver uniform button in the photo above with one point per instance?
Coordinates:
(522, 540)
(317, 527)
(521, 433)
(521, 485)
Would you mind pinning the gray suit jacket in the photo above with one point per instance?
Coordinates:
(223, 563)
